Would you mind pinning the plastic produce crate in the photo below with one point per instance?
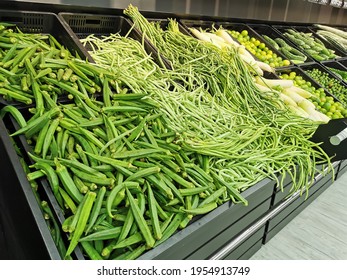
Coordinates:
(282, 195)
(343, 61)
(24, 230)
(277, 223)
(42, 23)
(216, 227)
(300, 71)
(232, 216)
(104, 25)
(232, 26)
(229, 233)
(264, 29)
(312, 66)
(335, 65)
(342, 168)
(282, 29)
(3, 245)
(314, 29)
(248, 247)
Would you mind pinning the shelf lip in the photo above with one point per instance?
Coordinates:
(226, 250)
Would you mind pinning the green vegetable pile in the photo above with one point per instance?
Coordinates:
(331, 84)
(334, 36)
(310, 44)
(259, 49)
(325, 104)
(33, 65)
(291, 53)
(342, 74)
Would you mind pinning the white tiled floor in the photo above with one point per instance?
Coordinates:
(319, 232)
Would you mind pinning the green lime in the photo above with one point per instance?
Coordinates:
(327, 106)
(244, 32)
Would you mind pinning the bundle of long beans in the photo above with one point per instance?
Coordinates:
(222, 114)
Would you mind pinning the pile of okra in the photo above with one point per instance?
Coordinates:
(120, 176)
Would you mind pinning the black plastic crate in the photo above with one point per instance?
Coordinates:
(343, 62)
(321, 68)
(264, 29)
(314, 29)
(232, 26)
(282, 195)
(24, 229)
(198, 234)
(42, 23)
(245, 250)
(301, 72)
(3, 245)
(212, 246)
(44, 191)
(336, 65)
(306, 29)
(277, 223)
(83, 25)
(342, 168)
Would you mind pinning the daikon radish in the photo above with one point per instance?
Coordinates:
(302, 92)
(266, 67)
(226, 37)
(252, 64)
(293, 95)
(274, 82)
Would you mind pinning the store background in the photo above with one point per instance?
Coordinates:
(274, 10)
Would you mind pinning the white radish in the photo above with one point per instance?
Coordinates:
(274, 82)
(293, 95)
(302, 92)
(266, 67)
(226, 37)
(252, 64)
(298, 111)
(306, 105)
(199, 35)
(287, 100)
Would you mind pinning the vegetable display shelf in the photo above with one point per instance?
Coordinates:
(232, 231)
(247, 247)
(239, 27)
(24, 230)
(286, 47)
(332, 42)
(336, 68)
(295, 203)
(282, 29)
(213, 228)
(332, 83)
(44, 23)
(200, 239)
(299, 71)
(83, 25)
(342, 168)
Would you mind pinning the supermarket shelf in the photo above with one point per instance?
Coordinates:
(273, 212)
(229, 232)
(309, 235)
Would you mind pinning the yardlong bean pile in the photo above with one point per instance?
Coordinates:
(222, 114)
